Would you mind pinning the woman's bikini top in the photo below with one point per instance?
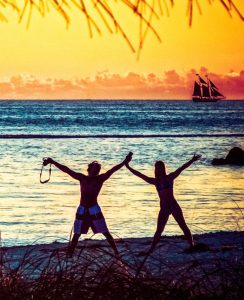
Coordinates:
(164, 185)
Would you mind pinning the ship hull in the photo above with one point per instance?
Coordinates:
(198, 99)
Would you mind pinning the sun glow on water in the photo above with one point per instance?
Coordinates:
(208, 196)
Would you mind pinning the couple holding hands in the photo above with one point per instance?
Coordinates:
(89, 213)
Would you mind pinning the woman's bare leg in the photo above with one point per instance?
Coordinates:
(162, 221)
(179, 218)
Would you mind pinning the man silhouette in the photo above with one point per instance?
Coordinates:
(89, 213)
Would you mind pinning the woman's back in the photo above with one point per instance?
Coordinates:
(164, 186)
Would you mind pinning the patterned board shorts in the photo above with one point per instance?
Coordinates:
(87, 217)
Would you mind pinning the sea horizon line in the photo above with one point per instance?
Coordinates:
(117, 99)
(84, 136)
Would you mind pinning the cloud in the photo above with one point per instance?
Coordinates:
(105, 85)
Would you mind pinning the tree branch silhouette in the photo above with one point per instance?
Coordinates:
(95, 10)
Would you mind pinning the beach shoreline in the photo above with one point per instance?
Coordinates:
(89, 242)
(213, 272)
(170, 248)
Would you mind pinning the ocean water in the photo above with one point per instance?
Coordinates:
(77, 132)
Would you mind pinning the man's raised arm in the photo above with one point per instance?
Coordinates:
(140, 175)
(106, 175)
(186, 165)
(63, 168)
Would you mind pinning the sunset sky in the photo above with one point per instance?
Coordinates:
(49, 61)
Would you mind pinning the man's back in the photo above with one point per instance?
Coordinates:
(90, 187)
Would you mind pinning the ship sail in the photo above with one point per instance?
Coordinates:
(212, 84)
(206, 91)
(201, 80)
(197, 90)
(216, 93)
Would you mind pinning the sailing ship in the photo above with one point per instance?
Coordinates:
(206, 91)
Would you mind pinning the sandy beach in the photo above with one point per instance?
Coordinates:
(215, 270)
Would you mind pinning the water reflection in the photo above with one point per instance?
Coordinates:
(211, 197)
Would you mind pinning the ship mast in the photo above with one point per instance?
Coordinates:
(200, 84)
(209, 87)
(203, 86)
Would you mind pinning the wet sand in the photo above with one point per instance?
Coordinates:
(215, 271)
(225, 246)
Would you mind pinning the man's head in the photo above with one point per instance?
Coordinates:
(93, 168)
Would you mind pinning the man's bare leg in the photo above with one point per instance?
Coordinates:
(111, 242)
(72, 244)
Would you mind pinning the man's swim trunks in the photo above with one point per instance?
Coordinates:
(87, 217)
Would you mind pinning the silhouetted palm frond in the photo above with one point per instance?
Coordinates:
(101, 10)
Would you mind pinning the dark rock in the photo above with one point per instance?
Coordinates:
(234, 157)
(219, 161)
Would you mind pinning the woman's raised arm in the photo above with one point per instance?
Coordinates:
(177, 172)
(149, 180)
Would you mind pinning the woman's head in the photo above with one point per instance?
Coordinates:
(93, 168)
(160, 169)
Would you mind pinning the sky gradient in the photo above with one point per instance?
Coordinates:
(48, 61)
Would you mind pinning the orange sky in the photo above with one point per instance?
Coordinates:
(47, 61)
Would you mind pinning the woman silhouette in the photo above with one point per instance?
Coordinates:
(168, 205)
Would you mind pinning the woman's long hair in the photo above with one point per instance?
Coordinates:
(160, 169)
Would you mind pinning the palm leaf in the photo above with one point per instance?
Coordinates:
(145, 10)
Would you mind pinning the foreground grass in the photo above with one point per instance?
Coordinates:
(96, 274)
